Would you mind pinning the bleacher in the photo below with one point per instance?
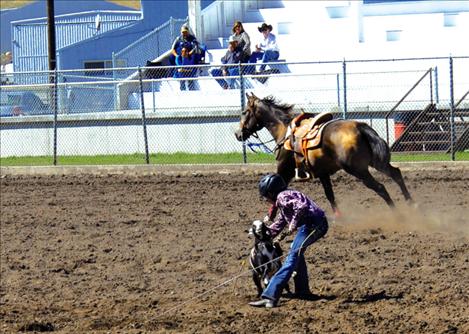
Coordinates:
(310, 31)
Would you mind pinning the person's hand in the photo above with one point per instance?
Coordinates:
(225, 72)
(282, 235)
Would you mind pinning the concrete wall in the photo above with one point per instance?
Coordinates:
(123, 134)
(119, 134)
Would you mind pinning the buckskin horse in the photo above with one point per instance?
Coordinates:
(345, 144)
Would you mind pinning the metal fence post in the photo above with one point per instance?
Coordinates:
(144, 120)
(344, 73)
(243, 104)
(338, 90)
(451, 117)
(437, 95)
(153, 94)
(171, 29)
(54, 108)
(431, 85)
(114, 78)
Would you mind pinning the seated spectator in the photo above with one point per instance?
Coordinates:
(185, 40)
(267, 49)
(232, 56)
(244, 42)
(185, 59)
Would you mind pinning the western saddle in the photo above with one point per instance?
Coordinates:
(304, 133)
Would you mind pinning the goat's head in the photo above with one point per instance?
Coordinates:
(260, 231)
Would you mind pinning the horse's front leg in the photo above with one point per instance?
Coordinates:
(286, 165)
(327, 185)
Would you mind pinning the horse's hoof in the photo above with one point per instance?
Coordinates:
(301, 175)
(337, 215)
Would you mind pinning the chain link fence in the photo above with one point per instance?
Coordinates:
(419, 106)
(147, 48)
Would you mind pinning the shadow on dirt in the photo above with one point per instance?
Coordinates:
(374, 297)
(311, 297)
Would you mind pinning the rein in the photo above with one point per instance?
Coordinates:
(261, 143)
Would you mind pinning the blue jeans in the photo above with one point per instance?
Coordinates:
(230, 81)
(266, 57)
(295, 261)
(186, 84)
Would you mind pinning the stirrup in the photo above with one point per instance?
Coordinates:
(301, 175)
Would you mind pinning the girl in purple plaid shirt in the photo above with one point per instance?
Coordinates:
(298, 213)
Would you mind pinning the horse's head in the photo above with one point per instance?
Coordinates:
(251, 118)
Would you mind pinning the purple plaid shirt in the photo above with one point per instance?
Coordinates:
(295, 209)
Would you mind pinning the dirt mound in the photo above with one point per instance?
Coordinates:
(167, 253)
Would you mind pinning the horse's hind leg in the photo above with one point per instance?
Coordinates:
(370, 182)
(395, 174)
(327, 185)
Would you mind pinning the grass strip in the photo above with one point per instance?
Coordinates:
(188, 158)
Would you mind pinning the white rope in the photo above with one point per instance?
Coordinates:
(232, 279)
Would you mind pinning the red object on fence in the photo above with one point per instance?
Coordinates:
(399, 128)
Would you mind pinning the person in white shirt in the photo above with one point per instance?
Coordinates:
(267, 50)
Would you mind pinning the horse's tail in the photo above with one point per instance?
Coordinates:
(379, 149)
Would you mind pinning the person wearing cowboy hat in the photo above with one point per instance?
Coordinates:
(267, 50)
(233, 55)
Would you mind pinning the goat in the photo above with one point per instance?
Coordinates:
(264, 257)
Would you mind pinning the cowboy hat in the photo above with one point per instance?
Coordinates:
(265, 27)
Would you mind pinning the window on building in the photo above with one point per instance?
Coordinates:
(99, 67)
(338, 12)
(450, 19)
(393, 35)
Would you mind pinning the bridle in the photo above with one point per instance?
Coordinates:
(253, 133)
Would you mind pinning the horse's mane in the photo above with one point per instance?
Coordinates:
(284, 111)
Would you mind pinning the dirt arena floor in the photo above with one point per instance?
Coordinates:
(166, 253)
